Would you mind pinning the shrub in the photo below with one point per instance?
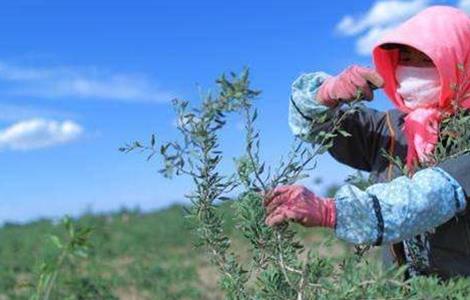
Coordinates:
(279, 266)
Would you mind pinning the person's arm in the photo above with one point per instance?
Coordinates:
(398, 210)
(304, 109)
(384, 212)
(367, 127)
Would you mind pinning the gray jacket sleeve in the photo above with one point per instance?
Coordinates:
(368, 127)
(459, 169)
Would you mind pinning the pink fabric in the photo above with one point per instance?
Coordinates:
(344, 86)
(299, 204)
(421, 129)
(443, 34)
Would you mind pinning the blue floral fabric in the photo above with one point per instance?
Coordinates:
(304, 90)
(384, 212)
(408, 206)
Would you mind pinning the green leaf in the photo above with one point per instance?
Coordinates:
(56, 241)
(344, 133)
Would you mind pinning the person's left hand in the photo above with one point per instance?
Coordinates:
(297, 203)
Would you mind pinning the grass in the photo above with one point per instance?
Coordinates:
(134, 256)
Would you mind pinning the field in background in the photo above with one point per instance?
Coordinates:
(134, 256)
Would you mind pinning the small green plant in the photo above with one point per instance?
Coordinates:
(73, 247)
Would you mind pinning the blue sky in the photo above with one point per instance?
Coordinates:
(78, 79)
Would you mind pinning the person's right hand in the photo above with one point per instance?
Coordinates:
(299, 204)
(345, 86)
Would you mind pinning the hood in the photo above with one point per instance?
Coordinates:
(443, 34)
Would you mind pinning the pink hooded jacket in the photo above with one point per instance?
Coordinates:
(443, 34)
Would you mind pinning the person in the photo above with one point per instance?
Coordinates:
(420, 220)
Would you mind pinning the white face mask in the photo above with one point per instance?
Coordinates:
(418, 86)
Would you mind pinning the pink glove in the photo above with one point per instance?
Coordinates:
(298, 204)
(344, 86)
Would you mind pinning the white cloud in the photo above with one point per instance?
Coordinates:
(464, 4)
(366, 42)
(60, 82)
(39, 133)
(382, 17)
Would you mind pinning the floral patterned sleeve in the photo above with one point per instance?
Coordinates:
(303, 108)
(398, 210)
(366, 126)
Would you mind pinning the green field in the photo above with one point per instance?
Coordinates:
(134, 256)
(152, 255)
